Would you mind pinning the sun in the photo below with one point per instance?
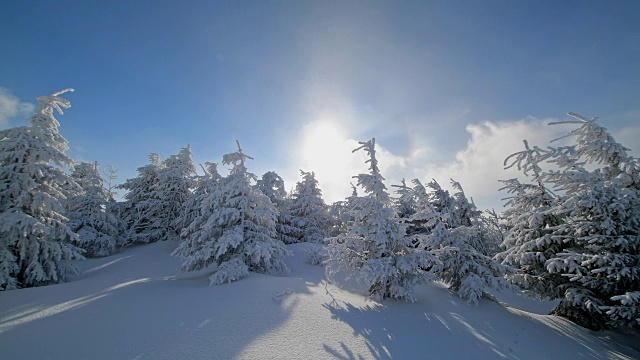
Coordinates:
(326, 150)
(323, 146)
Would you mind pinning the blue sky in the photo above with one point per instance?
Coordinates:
(447, 88)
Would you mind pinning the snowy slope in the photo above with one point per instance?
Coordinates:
(133, 306)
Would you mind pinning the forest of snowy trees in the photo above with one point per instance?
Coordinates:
(569, 231)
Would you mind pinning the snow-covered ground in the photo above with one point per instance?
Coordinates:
(132, 305)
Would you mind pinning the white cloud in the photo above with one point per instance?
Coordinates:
(326, 150)
(419, 128)
(479, 166)
(629, 137)
(11, 106)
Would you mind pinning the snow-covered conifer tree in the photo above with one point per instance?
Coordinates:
(205, 185)
(340, 216)
(142, 206)
(493, 232)
(453, 234)
(594, 262)
(289, 227)
(307, 211)
(376, 248)
(89, 215)
(529, 217)
(238, 232)
(35, 241)
(601, 227)
(272, 185)
(111, 174)
(406, 205)
(173, 188)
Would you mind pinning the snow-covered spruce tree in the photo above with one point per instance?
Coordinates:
(272, 185)
(289, 227)
(455, 236)
(465, 213)
(595, 248)
(307, 211)
(376, 248)
(493, 232)
(110, 174)
(173, 188)
(35, 241)
(601, 226)
(406, 205)
(238, 232)
(205, 185)
(89, 216)
(142, 206)
(341, 214)
(530, 219)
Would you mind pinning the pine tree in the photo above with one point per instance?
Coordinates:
(206, 184)
(493, 232)
(272, 185)
(307, 211)
(142, 206)
(35, 241)
(89, 214)
(376, 248)
(238, 232)
(592, 247)
(529, 243)
(455, 237)
(406, 206)
(111, 174)
(172, 190)
(602, 224)
(340, 216)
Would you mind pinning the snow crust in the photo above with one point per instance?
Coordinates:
(132, 305)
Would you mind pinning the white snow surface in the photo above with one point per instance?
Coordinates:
(132, 305)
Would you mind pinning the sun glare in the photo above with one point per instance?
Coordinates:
(323, 147)
(326, 150)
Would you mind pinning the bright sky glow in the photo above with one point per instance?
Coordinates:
(448, 88)
(323, 146)
(326, 150)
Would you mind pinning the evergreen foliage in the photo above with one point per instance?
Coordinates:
(376, 248)
(141, 208)
(406, 206)
(530, 220)
(307, 213)
(452, 231)
(35, 241)
(590, 248)
(175, 180)
(272, 185)
(237, 234)
(339, 216)
(192, 220)
(89, 213)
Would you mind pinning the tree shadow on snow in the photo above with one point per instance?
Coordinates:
(442, 326)
(133, 305)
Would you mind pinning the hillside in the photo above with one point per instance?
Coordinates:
(132, 305)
